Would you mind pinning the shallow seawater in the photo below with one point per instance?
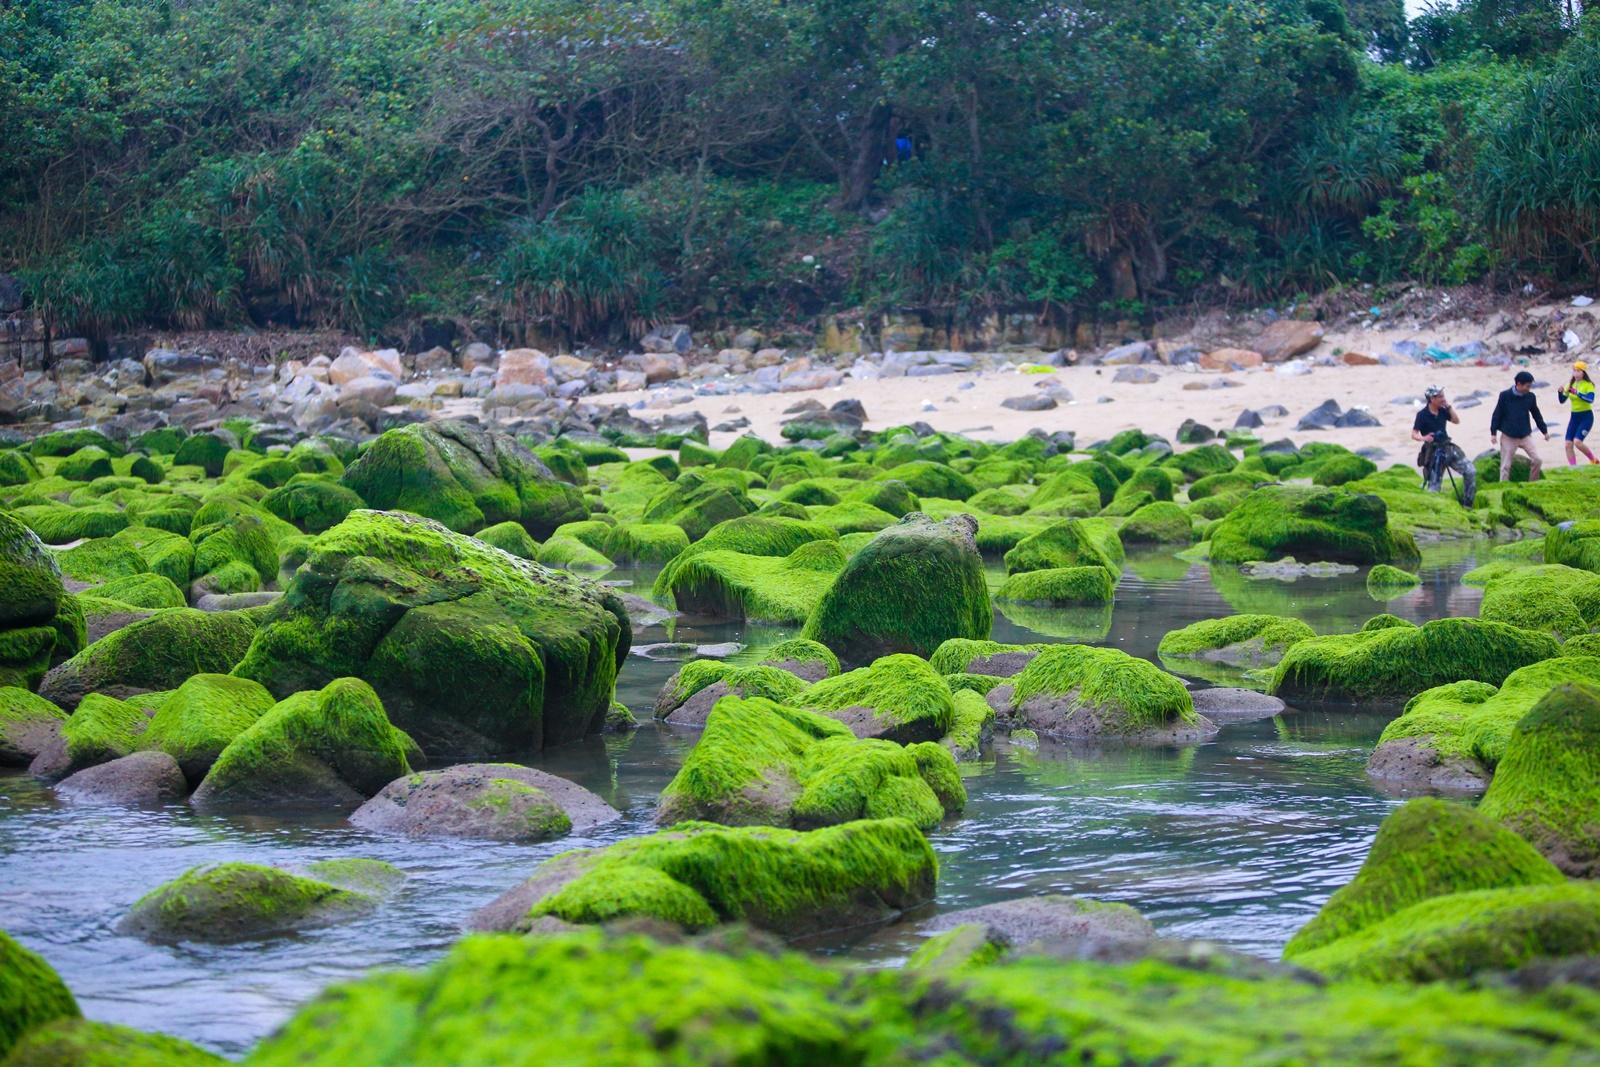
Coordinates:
(1239, 840)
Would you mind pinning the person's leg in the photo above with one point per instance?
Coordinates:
(1581, 426)
(1508, 448)
(1535, 464)
(1469, 479)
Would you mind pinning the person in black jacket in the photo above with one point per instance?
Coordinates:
(1515, 415)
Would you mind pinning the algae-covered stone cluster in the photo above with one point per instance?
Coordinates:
(247, 622)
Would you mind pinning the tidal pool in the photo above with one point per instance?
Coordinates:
(1239, 840)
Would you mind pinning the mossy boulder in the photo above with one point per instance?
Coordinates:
(81, 1043)
(809, 660)
(312, 503)
(1310, 523)
(28, 723)
(1160, 523)
(1385, 582)
(473, 652)
(733, 1001)
(99, 560)
(31, 994)
(990, 658)
(1557, 599)
(1399, 660)
(510, 537)
(40, 623)
(723, 584)
(328, 748)
(759, 763)
(1080, 693)
(698, 500)
(199, 719)
(1426, 848)
(1070, 543)
(1457, 936)
(913, 586)
(1546, 786)
(1060, 585)
(208, 451)
(100, 729)
(900, 698)
(1234, 640)
(238, 902)
(463, 477)
(153, 655)
(150, 591)
(1575, 544)
(697, 875)
(85, 465)
(484, 802)
(165, 553)
(972, 725)
(695, 688)
(645, 542)
(1452, 737)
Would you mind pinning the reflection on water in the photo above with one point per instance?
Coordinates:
(1239, 840)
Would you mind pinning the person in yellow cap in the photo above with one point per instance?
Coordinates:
(1580, 391)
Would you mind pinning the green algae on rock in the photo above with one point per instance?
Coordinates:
(200, 718)
(464, 477)
(694, 689)
(1458, 935)
(473, 651)
(973, 721)
(1560, 600)
(1160, 523)
(1400, 660)
(153, 655)
(40, 623)
(100, 729)
(1385, 582)
(731, 585)
(803, 658)
(1426, 848)
(737, 1002)
(1453, 736)
(698, 875)
(1576, 544)
(82, 1043)
(312, 502)
(238, 902)
(28, 723)
(1241, 640)
(1310, 523)
(1084, 693)
(1070, 543)
(759, 763)
(31, 994)
(916, 584)
(899, 698)
(327, 748)
(1546, 786)
(484, 802)
(510, 537)
(1060, 585)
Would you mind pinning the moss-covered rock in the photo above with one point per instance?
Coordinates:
(1083, 693)
(165, 553)
(472, 651)
(510, 537)
(28, 723)
(238, 902)
(1426, 848)
(1462, 934)
(1310, 523)
(199, 719)
(1071, 543)
(899, 697)
(81, 1043)
(803, 658)
(1160, 523)
(1557, 599)
(695, 688)
(723, 584)
(152, 591)
(963, 656)
(1385, 582)
(1234, 640)
(464, 477)
(1060, 585)
(99, 560)
(484, 802)
(312, 503)
(86, 464)
(153, 655)
(645, 542)
(1451, 737)
(31, 994)
(915, 585)
(1399, 660)
(734, 1002)
(568, 553)
(40, 623)
(1547, 783)
(697, 875)
(1575, 544)
(208, 451)
(321, 749)
(763, 764)
(58, 524)
(100, 729)
(698, 500)
(973, 722)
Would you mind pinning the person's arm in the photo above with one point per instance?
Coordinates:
(1499, 414)
(1450, 413)
(1584, 391)
(1416, 429)
(1538, 419)
(1561, 394)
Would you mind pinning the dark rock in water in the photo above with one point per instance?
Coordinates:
(237, 902)
(1195, 433)
(683, 424)
(732, 425)
(1325, 416)
(1031, 402)
(1225, 705)
(1283, 446)
(143, 779)
(1357, 417)
(1056, 925)
(1378, 455)
(484, 801)
(850, 406)
(806, 406)
(1248, 420)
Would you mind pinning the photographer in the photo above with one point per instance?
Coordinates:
(1438, 454)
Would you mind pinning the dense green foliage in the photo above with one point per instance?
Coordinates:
(547, 165)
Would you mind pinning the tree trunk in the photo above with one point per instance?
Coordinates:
(864, 166)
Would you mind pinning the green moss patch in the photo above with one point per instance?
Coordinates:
(238, 901)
